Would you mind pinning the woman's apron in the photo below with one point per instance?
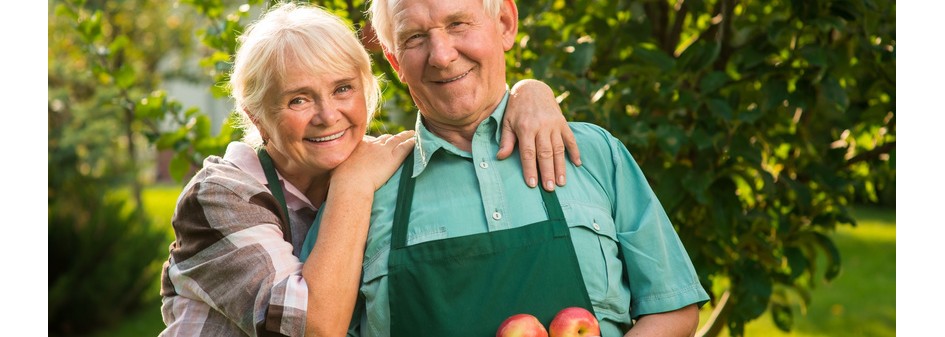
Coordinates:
(276, 188)
(468, 285)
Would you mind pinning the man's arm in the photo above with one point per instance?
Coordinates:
(680, 322)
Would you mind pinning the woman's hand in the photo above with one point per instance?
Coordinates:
(534, 119)
(374, 160)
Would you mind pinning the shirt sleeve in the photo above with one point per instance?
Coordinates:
(661, 275)
(231, 254)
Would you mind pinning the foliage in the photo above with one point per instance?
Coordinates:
(102, 253)
(757, 123)
(105, 63)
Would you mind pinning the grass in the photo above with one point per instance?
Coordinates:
(159, 201)
(861, 301)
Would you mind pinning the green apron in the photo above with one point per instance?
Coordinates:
(468, 285)
(275, 187)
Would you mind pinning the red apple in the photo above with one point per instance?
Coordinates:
(574, 322)
(521, 325)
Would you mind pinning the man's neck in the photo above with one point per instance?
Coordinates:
(458, 133)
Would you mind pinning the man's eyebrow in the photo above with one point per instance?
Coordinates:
(405, 28)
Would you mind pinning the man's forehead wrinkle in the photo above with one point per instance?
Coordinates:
(437, 14)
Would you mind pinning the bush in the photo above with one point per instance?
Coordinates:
(102, 251)
(101, 262)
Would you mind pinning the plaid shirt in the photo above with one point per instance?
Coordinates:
(233, 269)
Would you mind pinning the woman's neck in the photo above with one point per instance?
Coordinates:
(313, 184)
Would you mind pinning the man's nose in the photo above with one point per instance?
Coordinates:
(442, 49)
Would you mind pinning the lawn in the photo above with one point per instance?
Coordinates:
(859, 302)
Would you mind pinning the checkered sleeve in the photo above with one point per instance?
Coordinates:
(231, 260)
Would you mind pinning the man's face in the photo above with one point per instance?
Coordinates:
(451, 54)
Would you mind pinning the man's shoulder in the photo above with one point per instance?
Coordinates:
(589, 130)
(592, 138)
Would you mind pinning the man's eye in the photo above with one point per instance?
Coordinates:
(413, 40)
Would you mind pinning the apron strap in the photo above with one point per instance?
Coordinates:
(404, 202)
(554, 212)
(273, 180)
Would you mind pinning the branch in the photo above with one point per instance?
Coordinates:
(657, 14)
(713, 326)
(723, 37)
(871, 154)
(672, 37)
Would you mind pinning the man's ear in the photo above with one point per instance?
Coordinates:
(508, 18)
(393, 63)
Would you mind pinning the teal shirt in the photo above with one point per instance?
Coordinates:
(607, 202)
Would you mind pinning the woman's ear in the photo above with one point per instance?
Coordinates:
(257, 121)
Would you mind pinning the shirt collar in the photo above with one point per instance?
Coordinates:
(244, 157)
(429, 143)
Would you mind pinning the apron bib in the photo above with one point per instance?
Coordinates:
(468, 285)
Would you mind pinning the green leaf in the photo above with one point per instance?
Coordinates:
(63, 10)
(125, 76)
(720, 108)
(697, 183)
(832, 253)
(775, 92)
(783, 316)
(179, 166)
(713, 81)
(751, 292)
(815, 55)
(670, 138)
(167, 140)
(834, 94)
(741, 147)
(797, 261)
(651, 55)
(580, 59)
(202, 126)
(750, 115)
(699, 55)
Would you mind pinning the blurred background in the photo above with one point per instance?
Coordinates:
(766, 128)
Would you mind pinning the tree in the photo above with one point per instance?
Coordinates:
(756, 123)
(105, 113)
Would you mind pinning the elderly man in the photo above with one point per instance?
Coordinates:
(457, 244)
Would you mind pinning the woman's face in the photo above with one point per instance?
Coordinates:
(319, 121)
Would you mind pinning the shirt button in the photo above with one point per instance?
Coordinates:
(596, 227)
(484, 165)
(497, 216)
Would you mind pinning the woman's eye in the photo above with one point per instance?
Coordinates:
(298, 103)
(343, 89)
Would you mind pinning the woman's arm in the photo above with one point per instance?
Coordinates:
(333, 270)
(534, 119)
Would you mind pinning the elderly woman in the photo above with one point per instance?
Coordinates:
(304, 86)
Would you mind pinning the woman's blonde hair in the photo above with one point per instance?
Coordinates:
(292, 33)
